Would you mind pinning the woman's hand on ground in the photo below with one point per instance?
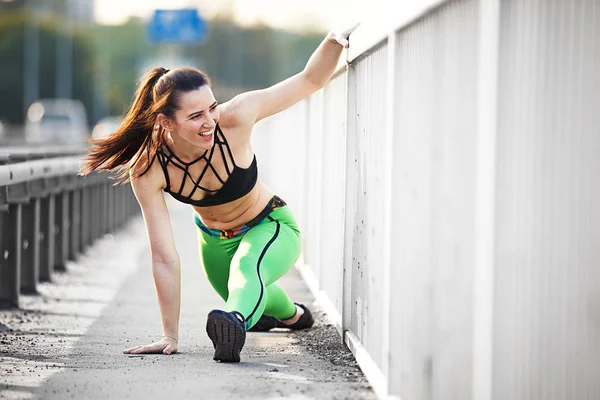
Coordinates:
(167, 345)
(342, 37)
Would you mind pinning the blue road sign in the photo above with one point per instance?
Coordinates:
(177, 26)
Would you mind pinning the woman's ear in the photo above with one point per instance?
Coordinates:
(164, 122)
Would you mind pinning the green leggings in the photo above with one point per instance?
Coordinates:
(243, 269)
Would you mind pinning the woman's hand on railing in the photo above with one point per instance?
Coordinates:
(167, 345)
(342, 37)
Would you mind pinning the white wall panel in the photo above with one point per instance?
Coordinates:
(547, 336)
(279, 144)
(313, 182)
(366, 149)
(332, 200)
(433, 180)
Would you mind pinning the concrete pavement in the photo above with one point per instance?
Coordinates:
(114, 306)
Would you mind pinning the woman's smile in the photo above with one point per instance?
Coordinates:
(206, 135)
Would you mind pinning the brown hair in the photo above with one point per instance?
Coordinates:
(133, 146)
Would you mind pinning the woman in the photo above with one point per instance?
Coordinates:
(176, 138)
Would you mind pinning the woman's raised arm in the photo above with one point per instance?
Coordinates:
(250, 107)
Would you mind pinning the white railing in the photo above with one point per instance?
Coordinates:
(444, 182)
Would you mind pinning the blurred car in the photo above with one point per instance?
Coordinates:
(105, 127)
(56, 121)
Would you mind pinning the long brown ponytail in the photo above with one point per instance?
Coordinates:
(131, 149)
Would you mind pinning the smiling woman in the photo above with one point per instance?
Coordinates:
(177, 139)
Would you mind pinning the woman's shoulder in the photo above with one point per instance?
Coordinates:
(235, 114)
(148, 177)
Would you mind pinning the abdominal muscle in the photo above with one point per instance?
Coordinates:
(238, 212)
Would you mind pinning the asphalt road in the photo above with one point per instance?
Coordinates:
(67, 342)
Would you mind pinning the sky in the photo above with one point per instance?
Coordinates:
(286, 14)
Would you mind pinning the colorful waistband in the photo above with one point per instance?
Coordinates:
(275, 203)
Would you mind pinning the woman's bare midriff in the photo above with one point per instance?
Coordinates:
(238, 212)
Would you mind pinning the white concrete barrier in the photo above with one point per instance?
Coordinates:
(446, 188)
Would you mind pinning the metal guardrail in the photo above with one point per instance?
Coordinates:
(50, 215)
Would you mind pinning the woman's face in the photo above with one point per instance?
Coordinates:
(196, 118)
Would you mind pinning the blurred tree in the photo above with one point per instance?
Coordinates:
(107, 59)
(12, 5)
(251, 58)
(43, 5)
(11, 65)
(119, 51)
(235, 58)
(12, 32)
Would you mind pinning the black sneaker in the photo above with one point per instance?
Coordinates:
(227, 333)
(306, 320)
(264, 324)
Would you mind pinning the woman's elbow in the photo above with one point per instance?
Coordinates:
(315, 81)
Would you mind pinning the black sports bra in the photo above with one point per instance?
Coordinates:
(238, 183)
